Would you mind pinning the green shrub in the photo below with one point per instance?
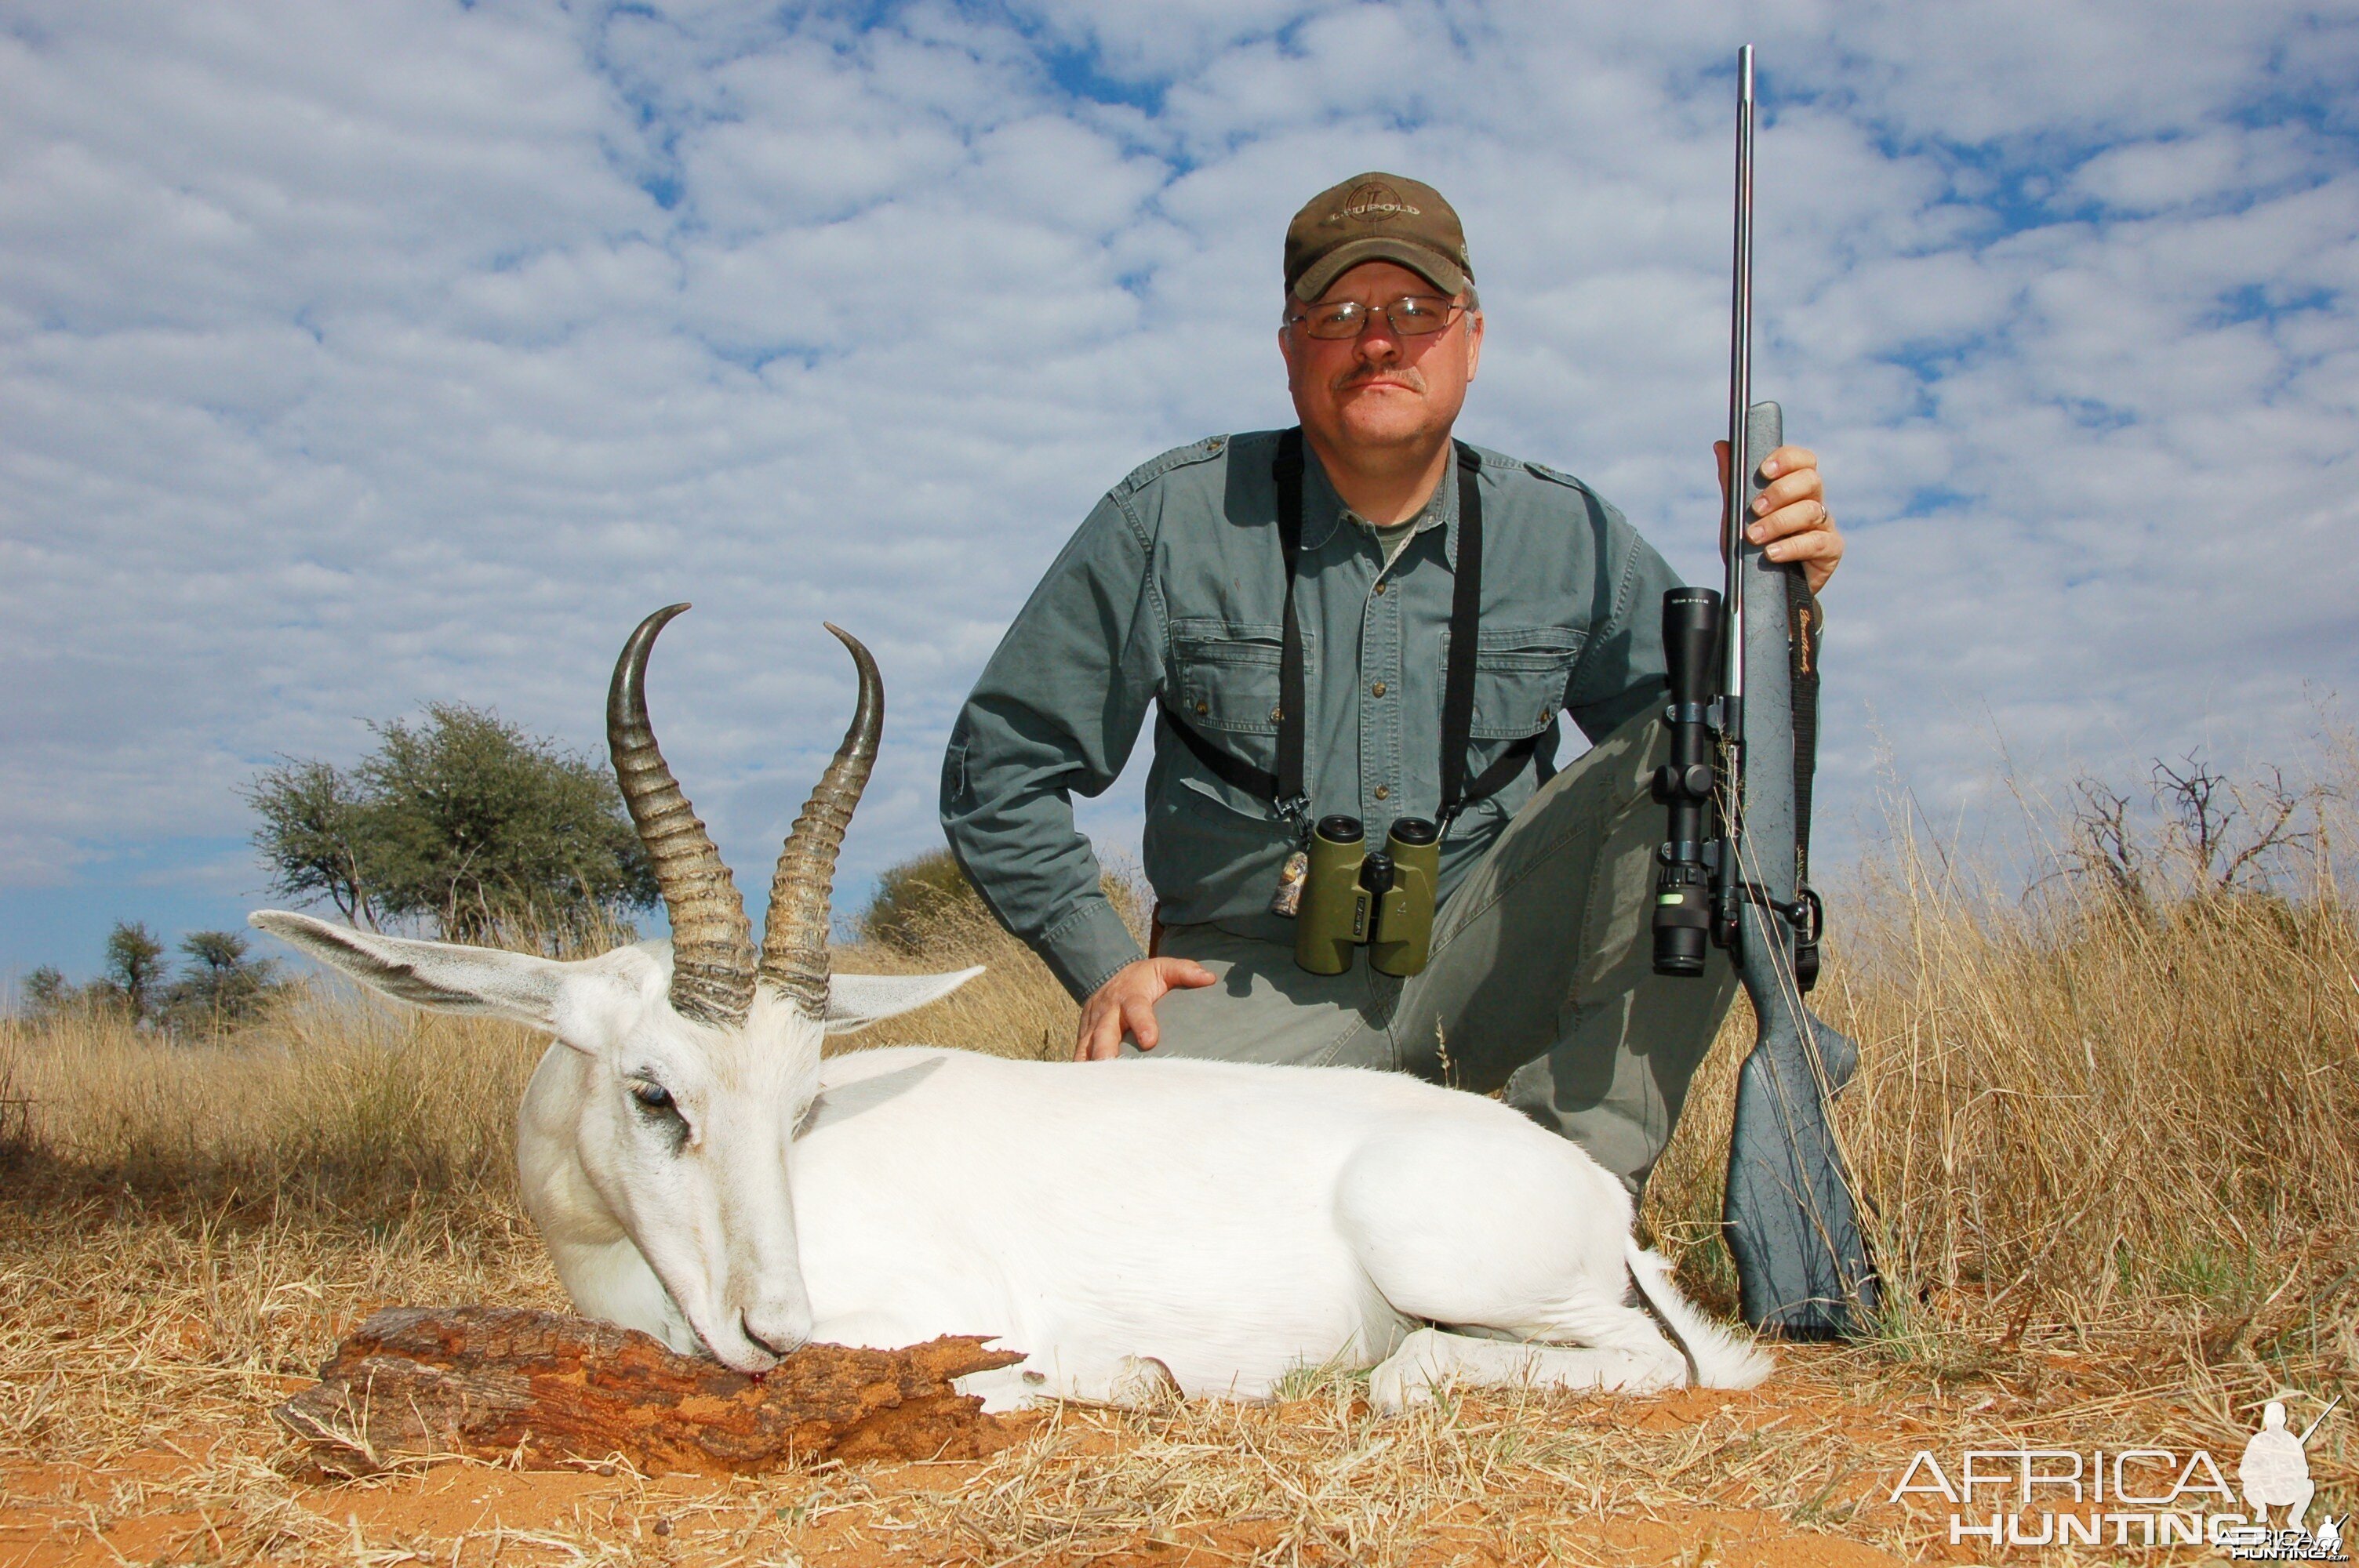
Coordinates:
(918, 899)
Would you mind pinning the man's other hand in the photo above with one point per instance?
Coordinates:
(1790, 518)
(1126, 1003)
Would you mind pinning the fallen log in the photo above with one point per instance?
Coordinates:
(541, 1388)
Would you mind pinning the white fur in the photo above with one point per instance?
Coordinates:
(1214, 1224)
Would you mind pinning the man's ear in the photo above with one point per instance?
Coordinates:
(442, 976)
(856, 1002)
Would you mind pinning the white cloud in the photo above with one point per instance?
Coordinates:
(358, 356)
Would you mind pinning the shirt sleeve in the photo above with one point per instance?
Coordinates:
(1621, 672)
(1056, 712)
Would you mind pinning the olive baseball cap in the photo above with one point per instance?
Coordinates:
(1375, 217)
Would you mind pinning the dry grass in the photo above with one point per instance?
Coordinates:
(336, 1103)
(2117, 1161)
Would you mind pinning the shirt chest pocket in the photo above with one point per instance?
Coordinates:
(1225, 675)
(1520, 674)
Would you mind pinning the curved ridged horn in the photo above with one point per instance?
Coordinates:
(794, 936)
(711, 944)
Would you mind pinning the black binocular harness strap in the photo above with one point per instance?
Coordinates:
(1286, 788)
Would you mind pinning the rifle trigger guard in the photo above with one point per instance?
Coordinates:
(1806, 931)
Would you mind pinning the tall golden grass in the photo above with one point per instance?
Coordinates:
(334, 1102)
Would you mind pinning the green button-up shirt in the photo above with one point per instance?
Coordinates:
(1174, 588)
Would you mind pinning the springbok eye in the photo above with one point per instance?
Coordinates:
(653, 1097)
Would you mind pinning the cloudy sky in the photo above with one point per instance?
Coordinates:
(358, 356)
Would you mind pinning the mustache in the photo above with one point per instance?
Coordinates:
(1407, 375)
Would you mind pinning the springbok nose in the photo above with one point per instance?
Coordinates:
(777, 1333)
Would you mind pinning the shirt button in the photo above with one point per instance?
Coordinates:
(1377, 690)
(1380, 589)
(1277, 716)
(1203, 706)
(1384, 792)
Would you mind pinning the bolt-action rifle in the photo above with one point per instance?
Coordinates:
(1732, 872)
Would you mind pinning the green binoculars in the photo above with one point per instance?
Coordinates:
(1379, 899)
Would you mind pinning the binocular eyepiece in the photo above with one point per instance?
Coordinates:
(1380, 899)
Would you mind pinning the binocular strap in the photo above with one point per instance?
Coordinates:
(1284, 788)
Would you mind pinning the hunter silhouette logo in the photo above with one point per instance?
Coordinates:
(2276, 1469)
(1375, 202)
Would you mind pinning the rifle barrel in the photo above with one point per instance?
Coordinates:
(1725, 876)
(1740, 379)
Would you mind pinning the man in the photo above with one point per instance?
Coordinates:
(1173, 596)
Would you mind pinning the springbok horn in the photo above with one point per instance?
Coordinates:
(794, 936)
(711, 944)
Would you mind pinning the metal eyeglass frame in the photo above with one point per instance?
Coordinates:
(1452, 309)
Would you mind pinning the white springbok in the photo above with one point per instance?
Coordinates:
(700, 1173)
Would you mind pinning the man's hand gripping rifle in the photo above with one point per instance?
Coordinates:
(1744, 689)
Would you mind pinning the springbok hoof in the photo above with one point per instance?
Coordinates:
(1408, 1376)
(1140, 1383)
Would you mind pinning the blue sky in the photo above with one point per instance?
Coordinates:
(355, 357)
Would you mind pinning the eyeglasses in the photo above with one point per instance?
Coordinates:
(1410, 316)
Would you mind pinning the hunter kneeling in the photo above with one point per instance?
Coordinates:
(1358, 638)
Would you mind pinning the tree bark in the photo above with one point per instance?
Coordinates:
(506, 1383)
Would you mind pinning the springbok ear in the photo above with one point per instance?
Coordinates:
(856, 1002)
(442, 976)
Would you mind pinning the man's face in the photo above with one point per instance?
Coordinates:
(1381, 389)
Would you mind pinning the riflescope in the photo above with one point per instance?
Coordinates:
(1379, 899)
(1684, 871)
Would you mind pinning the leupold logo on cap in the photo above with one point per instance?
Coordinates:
(1373, 202)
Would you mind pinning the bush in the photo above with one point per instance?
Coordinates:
(928, 905)
(463, 823)
(134, 969)
(918, 898)
(220, 984)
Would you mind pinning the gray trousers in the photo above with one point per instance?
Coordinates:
(1541, 980)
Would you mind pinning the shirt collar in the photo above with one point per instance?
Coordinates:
(1322, 508)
